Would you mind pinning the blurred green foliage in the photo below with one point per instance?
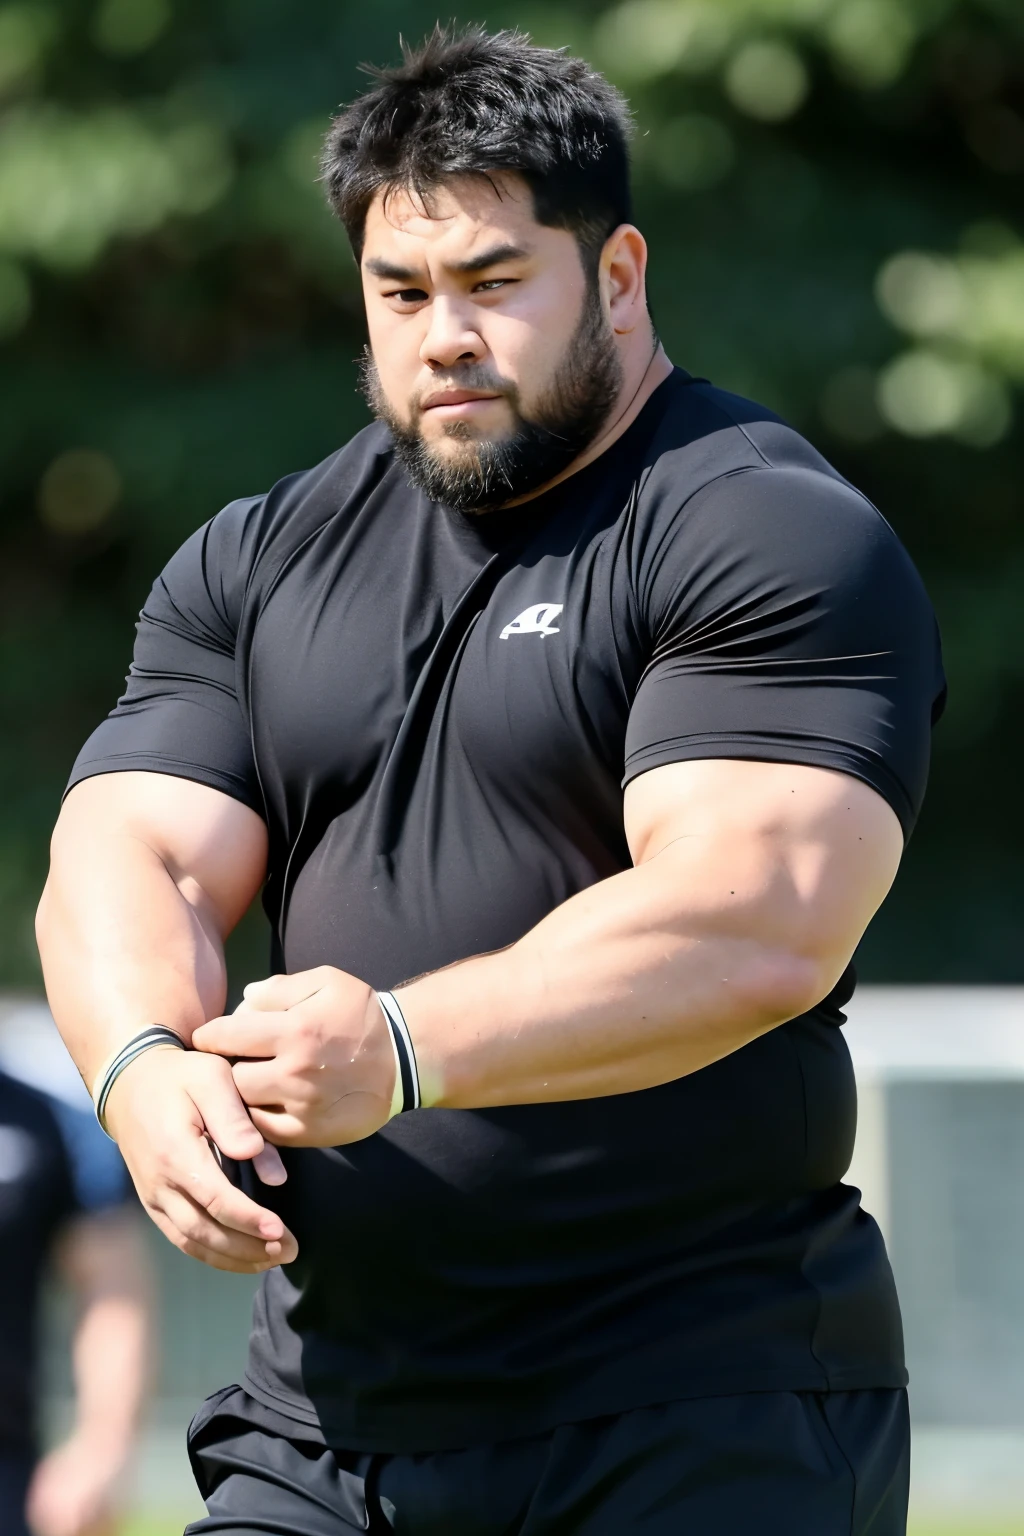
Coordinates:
(833, 194)
(168, 1525)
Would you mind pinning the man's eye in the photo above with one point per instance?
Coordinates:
(407, 295)
(491, 283)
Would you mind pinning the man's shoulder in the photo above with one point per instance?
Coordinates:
(278, 520)
(706, 434)
(738, 504)
(726, 480)
(209, 582)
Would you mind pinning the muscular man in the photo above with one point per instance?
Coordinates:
(586, 708)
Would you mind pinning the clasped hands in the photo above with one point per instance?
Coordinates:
(304, 1061)
(311, 1057)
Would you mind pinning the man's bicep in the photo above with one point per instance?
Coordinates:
(210, 843)
(805, 854)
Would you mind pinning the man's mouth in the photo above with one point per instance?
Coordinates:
(457, 402)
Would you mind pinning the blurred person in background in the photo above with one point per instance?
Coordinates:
(583, 709)
(66, 1206)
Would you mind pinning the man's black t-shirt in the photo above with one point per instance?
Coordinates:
(436, 714)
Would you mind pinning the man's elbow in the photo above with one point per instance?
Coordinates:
(781, 982)
(43, 916)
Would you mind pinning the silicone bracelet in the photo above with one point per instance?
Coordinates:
(156, 1036)
(406, 1093)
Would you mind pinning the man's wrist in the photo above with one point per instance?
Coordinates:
(428, 1065)
(153, 1038)
(405, 1093)
(117, 1095)
(455, 1017)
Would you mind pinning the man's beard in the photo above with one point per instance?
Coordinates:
(565, 421)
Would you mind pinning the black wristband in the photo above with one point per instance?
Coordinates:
(146, 1040)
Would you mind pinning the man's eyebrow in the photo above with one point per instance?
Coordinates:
(491, 258)
(392, 272)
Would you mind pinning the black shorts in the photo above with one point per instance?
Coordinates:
(774, 1463)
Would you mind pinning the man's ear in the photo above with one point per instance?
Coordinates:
(622, 275)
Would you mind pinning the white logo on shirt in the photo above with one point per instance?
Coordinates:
(534, 621)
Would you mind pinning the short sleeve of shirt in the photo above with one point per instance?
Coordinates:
(788, 624)
(180, 713)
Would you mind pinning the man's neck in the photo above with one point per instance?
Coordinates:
(638, 386)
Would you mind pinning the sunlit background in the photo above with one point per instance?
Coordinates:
(833, 191)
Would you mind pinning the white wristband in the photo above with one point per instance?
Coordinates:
(406, 1092)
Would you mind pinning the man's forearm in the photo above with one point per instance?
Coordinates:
(122, 947)
(147, 874)
(615, 990)
(752, 886)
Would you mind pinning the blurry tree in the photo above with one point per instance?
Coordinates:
(833, 193)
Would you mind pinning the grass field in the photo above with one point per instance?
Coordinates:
(963, 1528)
(171, 1526)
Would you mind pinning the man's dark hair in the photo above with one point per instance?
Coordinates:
(478, 103)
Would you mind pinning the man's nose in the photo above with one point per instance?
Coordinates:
(451, 337)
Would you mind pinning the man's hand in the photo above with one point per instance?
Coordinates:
(75, 1489)
(313, 1058)
(164, 1111)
